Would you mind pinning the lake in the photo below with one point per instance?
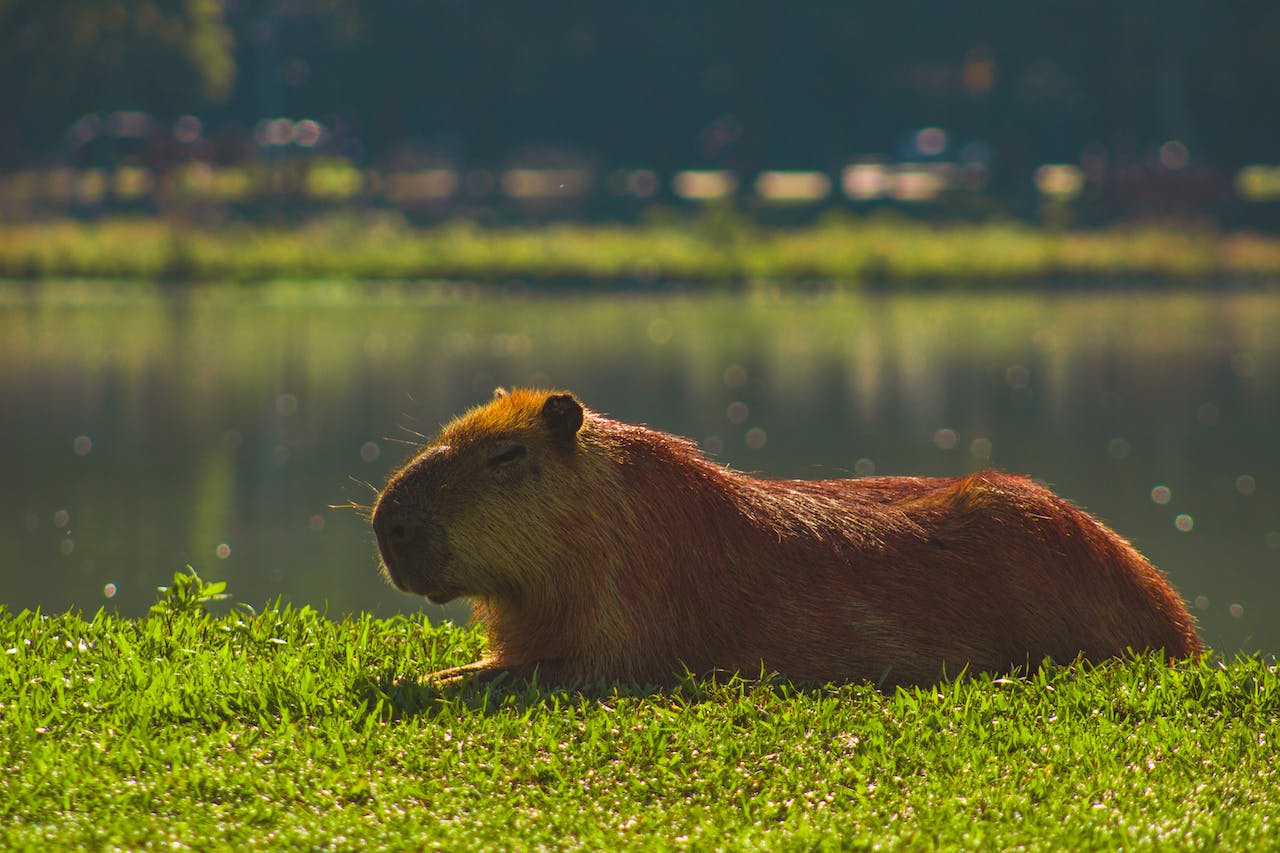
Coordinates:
(143, 430)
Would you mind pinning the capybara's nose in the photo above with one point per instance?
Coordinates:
(398, 534)
(394, 528)
(413, 546)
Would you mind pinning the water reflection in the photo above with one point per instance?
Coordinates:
(141, 433)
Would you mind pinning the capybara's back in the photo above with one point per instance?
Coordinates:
(988, 572)
(594, 549)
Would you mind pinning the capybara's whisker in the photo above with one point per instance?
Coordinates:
(363, 510)
(370, 486)
(596, 550)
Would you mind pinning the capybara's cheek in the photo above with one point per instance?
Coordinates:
(492, 551)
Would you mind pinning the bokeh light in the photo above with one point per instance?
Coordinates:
(1174, 155)
(946, 439)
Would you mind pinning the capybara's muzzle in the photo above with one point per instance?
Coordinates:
(413, 548)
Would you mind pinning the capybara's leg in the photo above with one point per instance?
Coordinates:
(487, 671)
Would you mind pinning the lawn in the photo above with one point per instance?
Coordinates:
(284, 728)
(714, 248)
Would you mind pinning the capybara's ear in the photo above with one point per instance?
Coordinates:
(562, 415)
(499, 392)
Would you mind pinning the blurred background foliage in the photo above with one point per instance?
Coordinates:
(663, 86)
(60, 60)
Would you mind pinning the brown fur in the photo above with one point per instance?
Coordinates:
(599, 550)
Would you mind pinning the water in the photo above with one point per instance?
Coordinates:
(140, 433)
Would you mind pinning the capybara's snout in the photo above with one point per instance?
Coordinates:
(412, 545)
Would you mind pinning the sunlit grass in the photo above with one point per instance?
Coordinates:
(285, 729)
(705, 249)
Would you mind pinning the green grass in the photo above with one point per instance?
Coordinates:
(717, 247)
(284, 729)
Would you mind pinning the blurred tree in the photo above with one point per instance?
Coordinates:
(62, 59)
(666, 84)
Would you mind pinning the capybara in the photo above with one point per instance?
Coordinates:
(595, 550)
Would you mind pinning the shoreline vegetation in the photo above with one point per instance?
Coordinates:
(714, 249)
(283, 728)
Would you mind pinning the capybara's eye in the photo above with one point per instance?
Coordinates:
(509, 455)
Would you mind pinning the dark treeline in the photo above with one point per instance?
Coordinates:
(663, 85)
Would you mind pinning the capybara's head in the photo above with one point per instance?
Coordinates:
(480, 511)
